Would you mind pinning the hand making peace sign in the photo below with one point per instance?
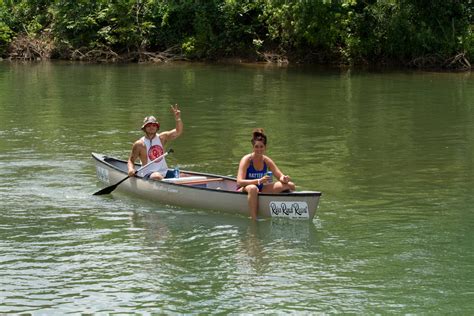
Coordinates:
(176, 112)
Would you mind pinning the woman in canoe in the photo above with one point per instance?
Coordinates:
(252, 174)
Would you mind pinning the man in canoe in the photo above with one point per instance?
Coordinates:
(252, 176)
(151, 146)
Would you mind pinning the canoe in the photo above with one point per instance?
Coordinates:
(206, 191)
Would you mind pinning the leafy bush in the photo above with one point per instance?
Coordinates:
(5, 37)
(324, 31)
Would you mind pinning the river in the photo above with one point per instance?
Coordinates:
(391, 151)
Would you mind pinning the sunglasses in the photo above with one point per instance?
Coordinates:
(153, 124)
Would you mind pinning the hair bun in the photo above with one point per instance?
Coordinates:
(259, 135)
(258, 132)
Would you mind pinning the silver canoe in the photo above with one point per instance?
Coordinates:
(206, 191)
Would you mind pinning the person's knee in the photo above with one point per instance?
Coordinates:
(251, 189)
(284, 187)
(156, 176)
(291, 186)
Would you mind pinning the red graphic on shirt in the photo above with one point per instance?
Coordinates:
(155, 152)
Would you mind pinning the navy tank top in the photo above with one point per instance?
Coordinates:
(252, 173)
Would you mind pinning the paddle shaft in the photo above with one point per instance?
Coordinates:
(156, 159)
(109, 189)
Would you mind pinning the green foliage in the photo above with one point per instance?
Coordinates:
(314, 27)
(241, 31)
(29, 17)
(342, 31)
(5, 37)
(435, 27)
(406, 29)
(77, 23)
(6, 33)
(192, 25)
(124, 24)
(186, 23)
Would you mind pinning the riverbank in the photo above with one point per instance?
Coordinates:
(34, 51)
(405, 33)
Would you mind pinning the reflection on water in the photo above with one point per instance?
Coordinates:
(215, 257)
(252, 250)
(223, 233)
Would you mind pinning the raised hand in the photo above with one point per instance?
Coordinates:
(176, 112)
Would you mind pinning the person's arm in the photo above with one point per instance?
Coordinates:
(177, 131)
(134, 155)
(276, 171)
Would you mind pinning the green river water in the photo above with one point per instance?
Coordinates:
(391, 151)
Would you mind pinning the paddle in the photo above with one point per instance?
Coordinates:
(110, 188)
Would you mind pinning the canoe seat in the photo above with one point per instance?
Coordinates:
(184, 179)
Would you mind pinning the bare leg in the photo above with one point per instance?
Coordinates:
(252, 198)
(278, 187)
(156, 176)
(291, 186)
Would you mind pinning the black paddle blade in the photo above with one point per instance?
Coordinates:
(106, 190)
(110, 188)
